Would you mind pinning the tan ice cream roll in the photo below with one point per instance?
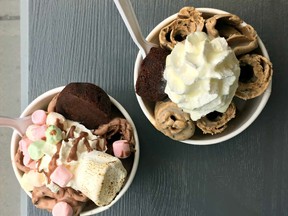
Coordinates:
(255, 76)
(173, 122)
(215, 123)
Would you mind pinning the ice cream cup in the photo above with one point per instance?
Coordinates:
(41, 102)
(248, 110)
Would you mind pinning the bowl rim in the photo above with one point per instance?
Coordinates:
(264, 97)
(50, 94)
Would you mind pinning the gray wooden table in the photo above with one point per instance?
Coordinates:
(86, 40)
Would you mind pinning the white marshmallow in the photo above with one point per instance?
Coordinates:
(99, 176)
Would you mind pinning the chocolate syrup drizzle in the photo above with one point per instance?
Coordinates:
(73, 151)
(71, 132)
(59, 124)
(53, 163)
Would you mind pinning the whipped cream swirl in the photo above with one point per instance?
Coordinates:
(202, 75)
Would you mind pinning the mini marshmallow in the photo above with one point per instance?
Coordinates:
(61, 176)
(62, 209)
(24, 144)
(121, 149)
(39, 117)
(26, 160)
(32, 179)
(36, 132)
(29, 163)
(35, 149)
(53, 134)
(53, 118)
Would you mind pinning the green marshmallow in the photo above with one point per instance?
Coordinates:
(53, 134)
(35, 149)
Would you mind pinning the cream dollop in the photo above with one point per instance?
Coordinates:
(202, 75)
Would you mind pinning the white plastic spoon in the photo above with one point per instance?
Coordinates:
(19, 124)
(127, 13)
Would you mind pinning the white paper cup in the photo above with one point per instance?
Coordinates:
(247, 111)
(42, 102)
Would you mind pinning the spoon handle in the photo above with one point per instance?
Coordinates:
(20, 125)
(127, 13)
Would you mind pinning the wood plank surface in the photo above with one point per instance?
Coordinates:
(86, 40)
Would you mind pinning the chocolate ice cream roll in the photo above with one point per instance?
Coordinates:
(44, 198)
(255, 76)
(216, 122)
(52, 105)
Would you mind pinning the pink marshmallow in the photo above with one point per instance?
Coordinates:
(61, 176)
(28, 162)
(39, 117)
(121, 149)
(36, 132)
(24, 144)
(62, 209)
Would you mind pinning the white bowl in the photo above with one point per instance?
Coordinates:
(248, 110)
(41, 102)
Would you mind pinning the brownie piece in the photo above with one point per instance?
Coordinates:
(150, 83)
(85, 103)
